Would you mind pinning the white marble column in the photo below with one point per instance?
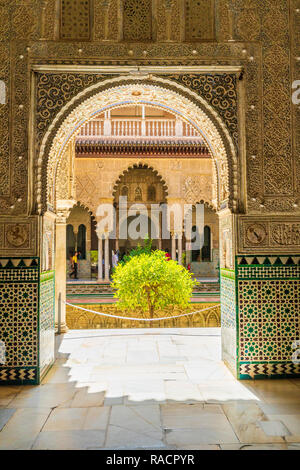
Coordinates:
(106, 257)
(100, 258)
(60, 276)
(179, 238)
(159, 244)
(143, 123)
(107, 124)
(188, 252)
(173, 246)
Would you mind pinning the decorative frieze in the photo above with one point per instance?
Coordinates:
(260, 235)
(165, 149)
(137, 20)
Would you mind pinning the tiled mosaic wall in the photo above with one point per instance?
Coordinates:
(228, 318)
(47, 321)
(269, 315)
(19, 299)
(21, 325)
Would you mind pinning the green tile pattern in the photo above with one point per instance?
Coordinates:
(269, 315)
(19, 321)
(47, 321)
(228, 317)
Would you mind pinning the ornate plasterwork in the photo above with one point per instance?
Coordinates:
(18, 236)
(269, 62)
(106, 20)
(157, 96)
(171, 24)
(198, 188)
(155, 177)
(137, 20)
(200, 20)
(75, 20)
(227, 239)
(220, 91)
(264, 235)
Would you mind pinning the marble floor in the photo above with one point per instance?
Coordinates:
(148, 389)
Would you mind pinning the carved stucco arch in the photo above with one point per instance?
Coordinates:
(126, 90)
(143, 165)
(83, 205)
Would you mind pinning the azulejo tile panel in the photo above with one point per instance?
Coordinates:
(21, 325)
(228, 318)
(46, 321)
(269, 315)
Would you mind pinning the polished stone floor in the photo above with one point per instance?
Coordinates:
(148, 389)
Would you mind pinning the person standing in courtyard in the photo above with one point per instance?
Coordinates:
(75, 265)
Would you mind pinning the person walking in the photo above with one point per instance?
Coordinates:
(75, 265)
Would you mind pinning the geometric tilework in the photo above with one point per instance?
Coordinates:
(268, 260)
(228, 317)
(266, 267)
(47, 321)
(269, 315)
(273, 370)
(18, 375)
(267, 272)
(30, 274)
(19, 306)
(228, 299)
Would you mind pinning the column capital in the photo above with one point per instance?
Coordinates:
(102, 235)
(176, 233)
(63, 209)
(61, 218)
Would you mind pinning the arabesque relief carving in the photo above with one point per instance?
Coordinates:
(137, 20)
(75, 19)
(106, 23)
(18, 236)
(196, 189)
(285, 234)
(219, 90)
(261, 235)
(171, 24)
(155, 94)
(272, 121)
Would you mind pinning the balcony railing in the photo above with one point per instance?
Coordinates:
(137, 127)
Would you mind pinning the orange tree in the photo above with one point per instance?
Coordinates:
(149, 282)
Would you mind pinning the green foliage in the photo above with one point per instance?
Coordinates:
(94, 256)
(149, 282)
(139, 250)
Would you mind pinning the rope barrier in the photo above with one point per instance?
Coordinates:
(140, 319)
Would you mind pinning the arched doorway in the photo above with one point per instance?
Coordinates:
(60, 167)
(143, 188)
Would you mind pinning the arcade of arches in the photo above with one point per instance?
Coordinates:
(184, 109)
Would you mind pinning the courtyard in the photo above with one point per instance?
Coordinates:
(147, 145)
(148, 389)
